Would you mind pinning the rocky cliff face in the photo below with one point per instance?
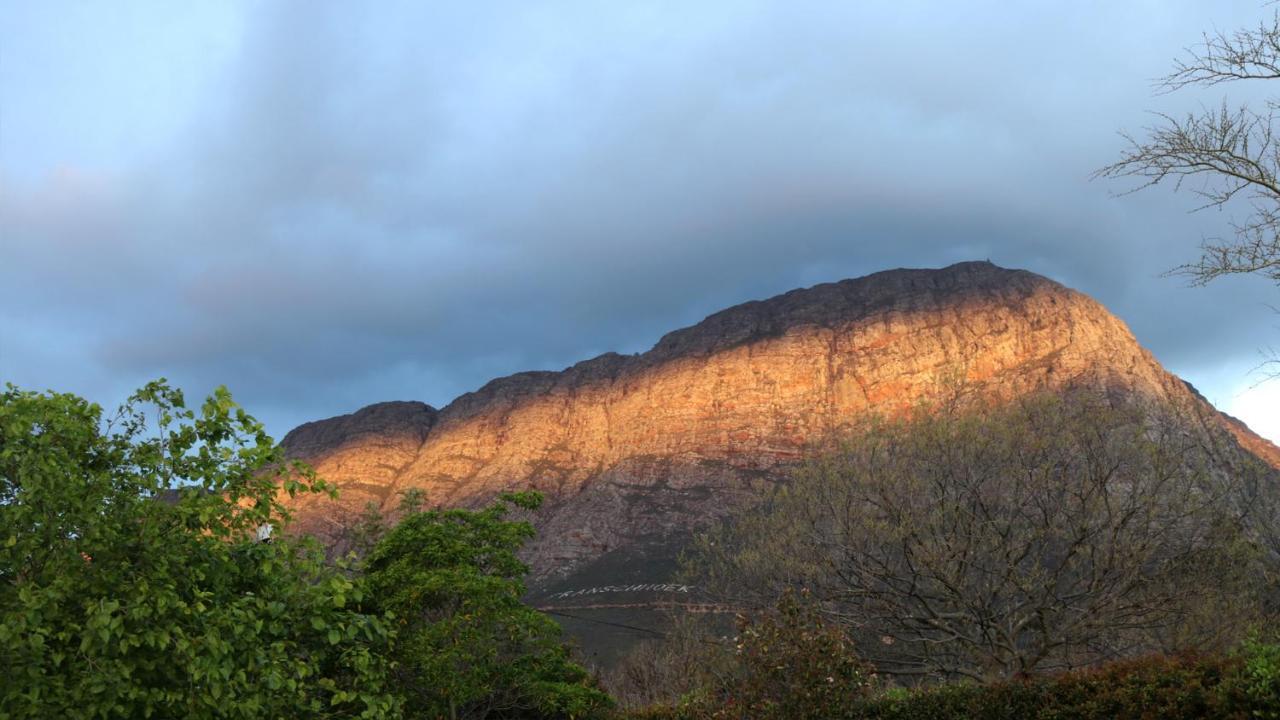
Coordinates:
(634, 452)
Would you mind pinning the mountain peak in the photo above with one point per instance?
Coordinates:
(834, 303)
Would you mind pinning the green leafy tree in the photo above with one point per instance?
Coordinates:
(132, 582)
(467, 646)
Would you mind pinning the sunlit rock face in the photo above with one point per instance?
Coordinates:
(635, 452)
(363, 453)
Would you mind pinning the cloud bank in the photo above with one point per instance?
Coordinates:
(322, 206)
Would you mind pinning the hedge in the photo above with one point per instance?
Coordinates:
(1244, 686)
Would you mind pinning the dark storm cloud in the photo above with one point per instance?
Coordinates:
(404, 203)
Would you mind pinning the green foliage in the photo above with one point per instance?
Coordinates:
(467, 646)
(1258, 684)
(131, 584)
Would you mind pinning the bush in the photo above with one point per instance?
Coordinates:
(1156, 688)
(660, 672)
(787, 663)
(1256, 687)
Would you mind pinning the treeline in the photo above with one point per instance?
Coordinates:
(985, 541)
(979, 559)
(791, 662)
(1053, 558)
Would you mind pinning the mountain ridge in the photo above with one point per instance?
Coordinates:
(634, 450)
(680, 341)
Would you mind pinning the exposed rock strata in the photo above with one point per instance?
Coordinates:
(633, 451)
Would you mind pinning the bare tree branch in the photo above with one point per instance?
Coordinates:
(994, 542)
(1221, 57)
(1228, 153)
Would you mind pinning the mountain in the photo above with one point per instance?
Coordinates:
(636, 452)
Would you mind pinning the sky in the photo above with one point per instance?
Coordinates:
(323, 205)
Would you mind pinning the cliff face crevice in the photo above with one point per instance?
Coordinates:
(632, 450)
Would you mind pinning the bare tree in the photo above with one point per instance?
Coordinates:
(993, 542)
(1226, 153)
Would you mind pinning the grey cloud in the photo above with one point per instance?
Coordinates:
(405, 203)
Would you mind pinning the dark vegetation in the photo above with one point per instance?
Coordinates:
(1160, 687)
(987, 541)
(792, 663)
(1056, 557)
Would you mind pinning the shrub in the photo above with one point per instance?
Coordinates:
(788, 663)
(1256, 687)
(1245, 686)
(1156, 688)
(661, 672)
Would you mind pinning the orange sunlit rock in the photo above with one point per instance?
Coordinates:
(632, 448)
